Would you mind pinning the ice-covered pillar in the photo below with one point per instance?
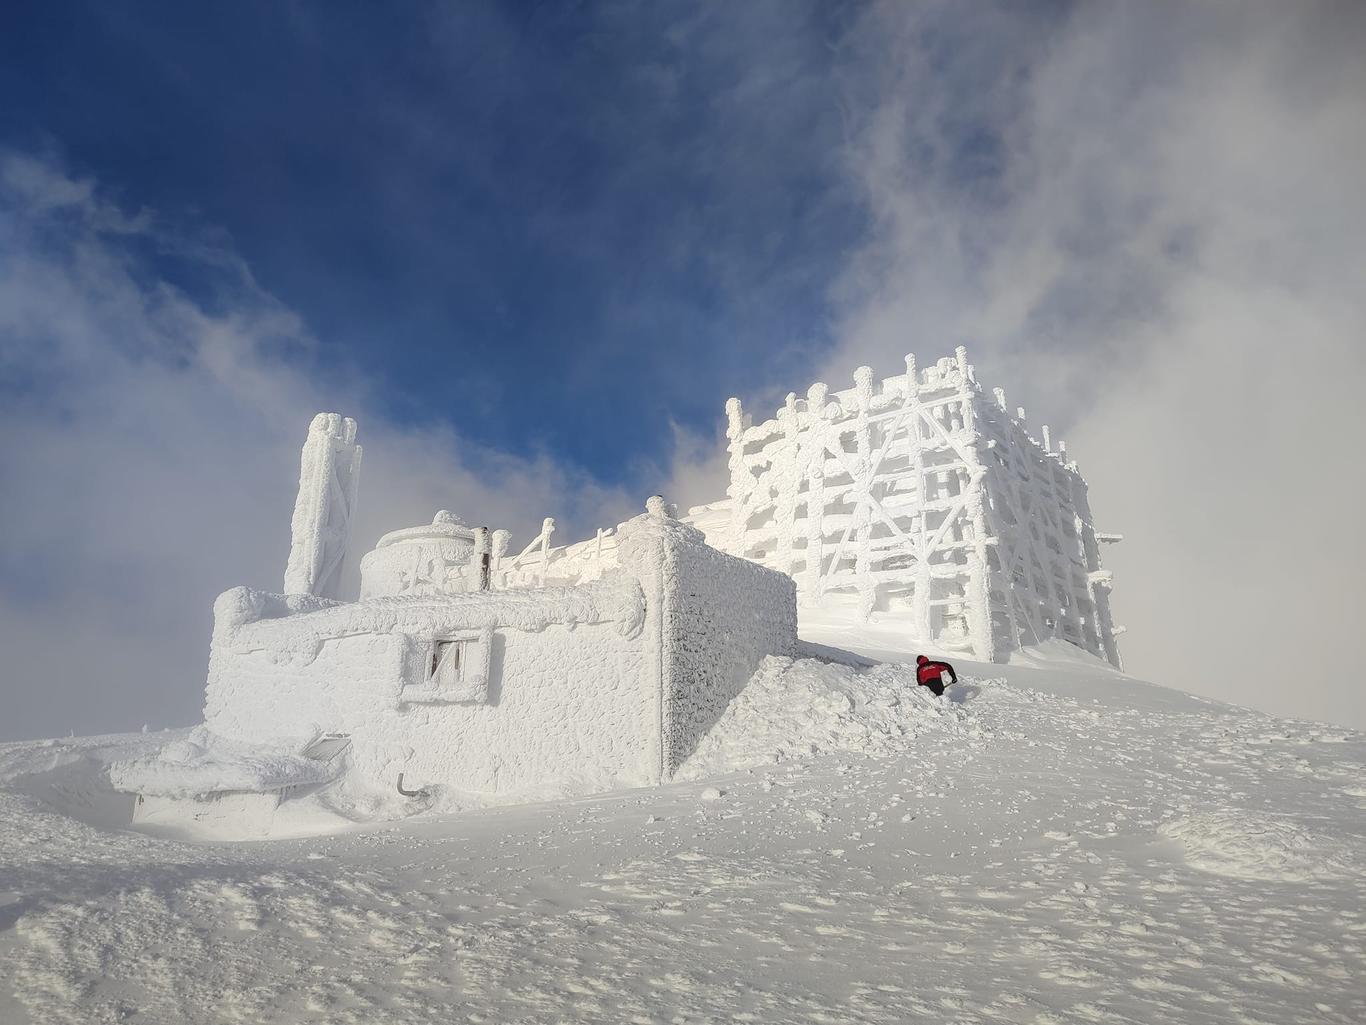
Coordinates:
(500, 541)
(329, 475)
(920, 593)
(979, 573)
(863, 481)
(547, 528)
(787, 484)
(978, 588)
(482, 559)
(967, 394)
(740, 483)
(815, 489)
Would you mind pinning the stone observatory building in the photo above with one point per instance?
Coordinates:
(920, 502)
(592, 667)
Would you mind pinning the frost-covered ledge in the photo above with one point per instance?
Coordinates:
(249, 620)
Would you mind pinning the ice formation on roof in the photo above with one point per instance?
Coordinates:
(919, 500)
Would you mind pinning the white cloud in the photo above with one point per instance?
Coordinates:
(151, 456)
(1169, 266)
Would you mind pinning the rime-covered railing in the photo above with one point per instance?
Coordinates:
(540, 563)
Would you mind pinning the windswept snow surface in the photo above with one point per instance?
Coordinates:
(1049, 843)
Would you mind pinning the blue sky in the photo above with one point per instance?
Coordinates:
(550, 203)
(534, 247)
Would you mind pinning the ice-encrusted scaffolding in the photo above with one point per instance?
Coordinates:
(918, 499)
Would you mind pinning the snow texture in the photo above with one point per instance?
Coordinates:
(917, 500)
(1021, 857)
(1248, 845)
(799, 708)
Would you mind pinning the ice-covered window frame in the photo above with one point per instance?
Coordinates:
(452, 666)
(443, 669)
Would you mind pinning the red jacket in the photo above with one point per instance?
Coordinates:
(933, 671)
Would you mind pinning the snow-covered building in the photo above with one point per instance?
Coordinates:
(460, 666)
(919, 501)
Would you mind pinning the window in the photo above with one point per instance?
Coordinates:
(451, 667)
(446, 664)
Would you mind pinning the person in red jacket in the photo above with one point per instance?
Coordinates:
(931, 674)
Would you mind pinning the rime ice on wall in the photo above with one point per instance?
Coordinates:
(329, 474)
(917, 500)
(712, 617)
(547, 689)
(605, 676)
(719, 625)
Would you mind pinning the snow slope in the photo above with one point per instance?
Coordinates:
(1052, 842)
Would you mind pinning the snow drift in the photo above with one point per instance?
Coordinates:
(795, 708)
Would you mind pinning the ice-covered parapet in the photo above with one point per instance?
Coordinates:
(329, 475)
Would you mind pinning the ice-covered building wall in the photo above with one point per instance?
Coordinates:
(712, 613)
(547, 685)
(921, 501)
(495, 685)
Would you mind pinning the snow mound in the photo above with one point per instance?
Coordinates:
(204, 763)
(1244, 845)
(799, 708)
(24, 760)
